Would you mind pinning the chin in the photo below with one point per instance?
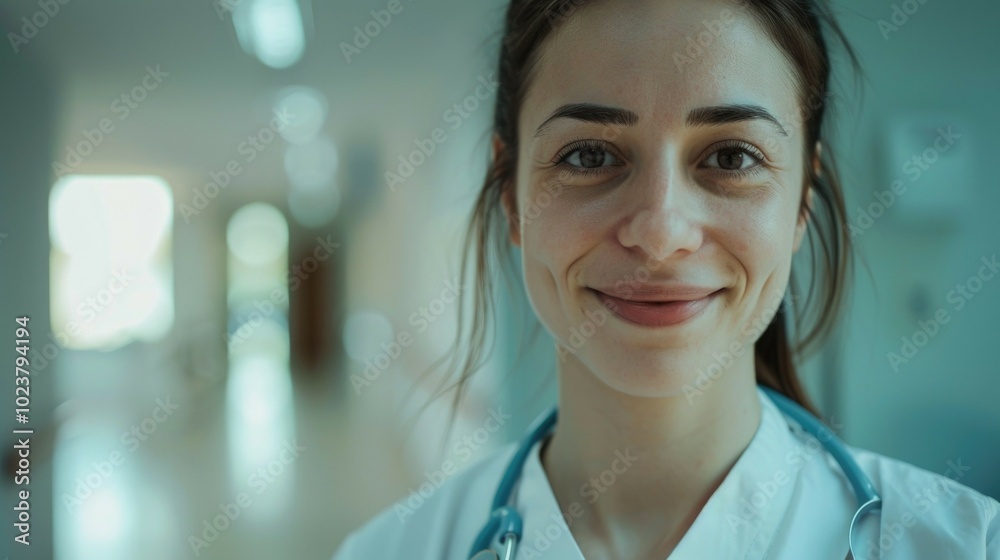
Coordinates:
(643, 372)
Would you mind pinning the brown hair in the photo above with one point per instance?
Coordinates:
(796, 28)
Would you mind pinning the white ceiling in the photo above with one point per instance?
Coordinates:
(428, 56)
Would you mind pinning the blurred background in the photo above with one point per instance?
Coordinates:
(235, 232)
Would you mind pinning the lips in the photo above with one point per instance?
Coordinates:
(657, 306)
(652, 294)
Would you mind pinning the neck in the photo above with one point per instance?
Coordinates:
(667, 455)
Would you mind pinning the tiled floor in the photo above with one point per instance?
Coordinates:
(122, 497)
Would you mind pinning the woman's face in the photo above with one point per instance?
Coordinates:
(658, 204)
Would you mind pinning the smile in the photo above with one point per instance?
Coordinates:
(652, 310)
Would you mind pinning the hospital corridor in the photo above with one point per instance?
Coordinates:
(233, 308)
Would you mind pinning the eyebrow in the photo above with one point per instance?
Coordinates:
(723, 114)
(588, 112)
(702, 116)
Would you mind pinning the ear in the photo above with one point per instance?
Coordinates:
(507, 197)
(817, 162)
(803, 221)
(513, 219)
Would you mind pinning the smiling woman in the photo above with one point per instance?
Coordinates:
(657, 206)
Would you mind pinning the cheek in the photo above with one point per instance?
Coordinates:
(555, 237)
(769, 233)
(542, 287)
(557, 228)
(756, 238)
(758, 234)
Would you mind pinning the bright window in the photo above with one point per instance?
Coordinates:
(111, 271)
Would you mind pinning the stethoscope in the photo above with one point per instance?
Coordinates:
(505, 524)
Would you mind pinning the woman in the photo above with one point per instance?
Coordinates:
(658, 164)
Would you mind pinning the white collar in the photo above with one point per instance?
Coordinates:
(738, 521)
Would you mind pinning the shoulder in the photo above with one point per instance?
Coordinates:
(925, 514)
(439, 518)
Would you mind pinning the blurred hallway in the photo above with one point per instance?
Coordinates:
(235, 227)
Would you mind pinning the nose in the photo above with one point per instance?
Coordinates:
(662, 216)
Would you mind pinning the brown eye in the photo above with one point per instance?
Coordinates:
(730, 159)
(589, 158)
(736, 160)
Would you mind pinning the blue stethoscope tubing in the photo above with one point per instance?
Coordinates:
(505, 523)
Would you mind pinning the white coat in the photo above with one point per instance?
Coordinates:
(785, 498)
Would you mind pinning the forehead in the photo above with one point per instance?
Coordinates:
(660, 59)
